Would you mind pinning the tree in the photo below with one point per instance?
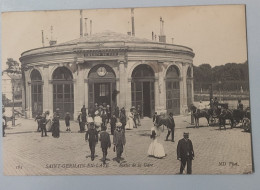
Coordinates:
(13, 67)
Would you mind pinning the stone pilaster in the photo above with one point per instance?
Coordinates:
(161, 89)
(184, 79)
(45, 89)
(122, 85)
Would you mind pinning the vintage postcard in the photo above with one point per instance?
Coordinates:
(162, 90)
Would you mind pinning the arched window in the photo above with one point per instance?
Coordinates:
(142, 88)
(173, 90)
(36, 92)
(63, 92)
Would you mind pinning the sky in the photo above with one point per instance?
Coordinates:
(217, 34)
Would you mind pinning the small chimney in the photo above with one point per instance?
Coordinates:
(81, 24)
(133, 22)
(162, 37)
(129, 30)
(42, 39)
(90, 33)
(152, 35)
(52, 42)
(86, 29)
(160, 25)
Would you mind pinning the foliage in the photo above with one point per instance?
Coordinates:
(230, 76)
(13, 67)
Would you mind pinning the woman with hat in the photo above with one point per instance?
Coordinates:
(130, 123)
(155, 149)
(48, 120)
(56, 126)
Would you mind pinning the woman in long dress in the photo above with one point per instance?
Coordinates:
(48, 121)
(130, 122)
(56, 126)
(155, 149)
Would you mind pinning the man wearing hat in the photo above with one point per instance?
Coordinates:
(81, 124)
(170, 127)
(185, 153)
(43, 124)
(105, 142)
(119, 141)
(92, 138)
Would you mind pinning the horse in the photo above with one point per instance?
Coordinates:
(199, 114)
(161, 120)
(226, 114)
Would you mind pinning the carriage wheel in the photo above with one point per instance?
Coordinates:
(246, 125)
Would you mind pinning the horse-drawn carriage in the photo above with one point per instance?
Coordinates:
(220, 114)
(215, 113)
(246, 122)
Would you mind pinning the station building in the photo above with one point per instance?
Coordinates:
(112, 68)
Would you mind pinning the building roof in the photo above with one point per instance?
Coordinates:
(106, 36)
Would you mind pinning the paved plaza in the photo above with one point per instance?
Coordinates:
(25, 152)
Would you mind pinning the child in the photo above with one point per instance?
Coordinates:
(67, 121)
(105, 143)
(92, 137)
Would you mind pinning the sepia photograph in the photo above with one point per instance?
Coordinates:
(129, 91)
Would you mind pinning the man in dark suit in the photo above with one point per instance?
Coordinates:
(92, 138)
(185, 153)
(43, 124)
(119, 141)
(170, 127)
(105, 142)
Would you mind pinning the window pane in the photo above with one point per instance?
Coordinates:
(138, 96)
(59, 97)
(138, 86)
(66, 88)
(59, 88)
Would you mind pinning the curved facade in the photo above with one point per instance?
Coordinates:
(111, 68)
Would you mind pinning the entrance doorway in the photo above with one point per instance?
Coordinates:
(142, 88)
(102, 93)
(173, 90)
(101, 86)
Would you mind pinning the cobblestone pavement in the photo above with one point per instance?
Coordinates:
(25, 152)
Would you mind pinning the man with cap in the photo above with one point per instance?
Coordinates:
(84, 114)
(239, 105)
(81, 124)
(170, 127)
(105, 142)
(185, 153)
(92, 138)
(119, 141)
(43, 124)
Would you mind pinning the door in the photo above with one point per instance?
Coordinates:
(102, 93)
(173, 97)
(143, 96)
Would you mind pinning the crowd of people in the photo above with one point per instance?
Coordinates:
(97, 121)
